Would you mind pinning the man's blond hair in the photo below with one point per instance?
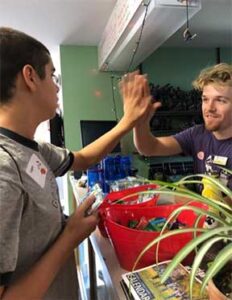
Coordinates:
(220, 74)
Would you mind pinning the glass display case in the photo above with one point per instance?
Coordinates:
(99, 272)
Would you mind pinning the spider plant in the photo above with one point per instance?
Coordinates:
(204, 238)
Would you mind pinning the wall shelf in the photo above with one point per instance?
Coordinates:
(180, 109)
(181, 113)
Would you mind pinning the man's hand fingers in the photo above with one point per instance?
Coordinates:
(155, 106)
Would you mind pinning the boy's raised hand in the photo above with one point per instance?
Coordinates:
(137, 100)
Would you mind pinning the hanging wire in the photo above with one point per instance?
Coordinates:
(187, 34)
(132, 59)
(140, 36)
(113, 97)
(187, 13)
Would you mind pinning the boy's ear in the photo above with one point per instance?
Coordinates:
(30, 77)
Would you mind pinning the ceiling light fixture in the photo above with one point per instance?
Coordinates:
(126, 23)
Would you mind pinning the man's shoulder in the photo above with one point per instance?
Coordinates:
(199, 130)
(196, 130)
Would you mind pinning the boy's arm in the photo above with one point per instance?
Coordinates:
(136, 102)
(35, 283)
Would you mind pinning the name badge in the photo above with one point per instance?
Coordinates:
(220, 160)
(37, 170)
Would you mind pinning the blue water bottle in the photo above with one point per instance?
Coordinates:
(117, 164)
(108, 164)
(109, 168)
(125, 165)
(95, 175)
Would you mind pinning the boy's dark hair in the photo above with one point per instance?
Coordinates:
(18, 49)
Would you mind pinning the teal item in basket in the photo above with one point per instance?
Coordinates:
(155, 224)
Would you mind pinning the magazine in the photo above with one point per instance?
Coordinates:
(145, 284)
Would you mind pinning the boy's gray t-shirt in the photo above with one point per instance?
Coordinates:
(30, 211)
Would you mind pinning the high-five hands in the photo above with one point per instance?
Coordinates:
(137, 100)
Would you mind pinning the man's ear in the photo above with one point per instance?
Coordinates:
(30, 77)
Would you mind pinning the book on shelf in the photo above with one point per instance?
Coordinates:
(145, 284)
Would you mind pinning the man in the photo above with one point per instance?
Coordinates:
(210, 144)
(36, 246)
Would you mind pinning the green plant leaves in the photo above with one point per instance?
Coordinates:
(190, 247)
(220, 211)
(200, 256)
(220, 260)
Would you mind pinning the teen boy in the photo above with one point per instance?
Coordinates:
(36, 246)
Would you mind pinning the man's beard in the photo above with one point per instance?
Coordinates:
(212, 127)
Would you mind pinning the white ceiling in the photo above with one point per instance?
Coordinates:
(212, 24)
(81, 22)
(55, 22)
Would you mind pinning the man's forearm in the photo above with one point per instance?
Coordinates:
(143, 139)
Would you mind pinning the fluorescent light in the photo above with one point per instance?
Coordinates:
(164, 18)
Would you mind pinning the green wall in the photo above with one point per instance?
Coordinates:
(180, 66)
(87, 93)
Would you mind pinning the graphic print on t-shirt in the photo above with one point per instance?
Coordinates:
(37, 170)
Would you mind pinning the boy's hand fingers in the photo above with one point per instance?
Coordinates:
(87, 203)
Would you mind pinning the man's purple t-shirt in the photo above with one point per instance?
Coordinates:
(208, 153)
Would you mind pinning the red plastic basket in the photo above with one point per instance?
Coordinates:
(128, 243)
(111, 199)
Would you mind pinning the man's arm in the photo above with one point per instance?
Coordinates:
(149, 145)
(136, 101)
(2, 288)
(35, 283)
(144, 141)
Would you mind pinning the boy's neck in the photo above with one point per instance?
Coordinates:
(17, 123)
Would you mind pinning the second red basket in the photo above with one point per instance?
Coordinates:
(128, 243)
(129, 198)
